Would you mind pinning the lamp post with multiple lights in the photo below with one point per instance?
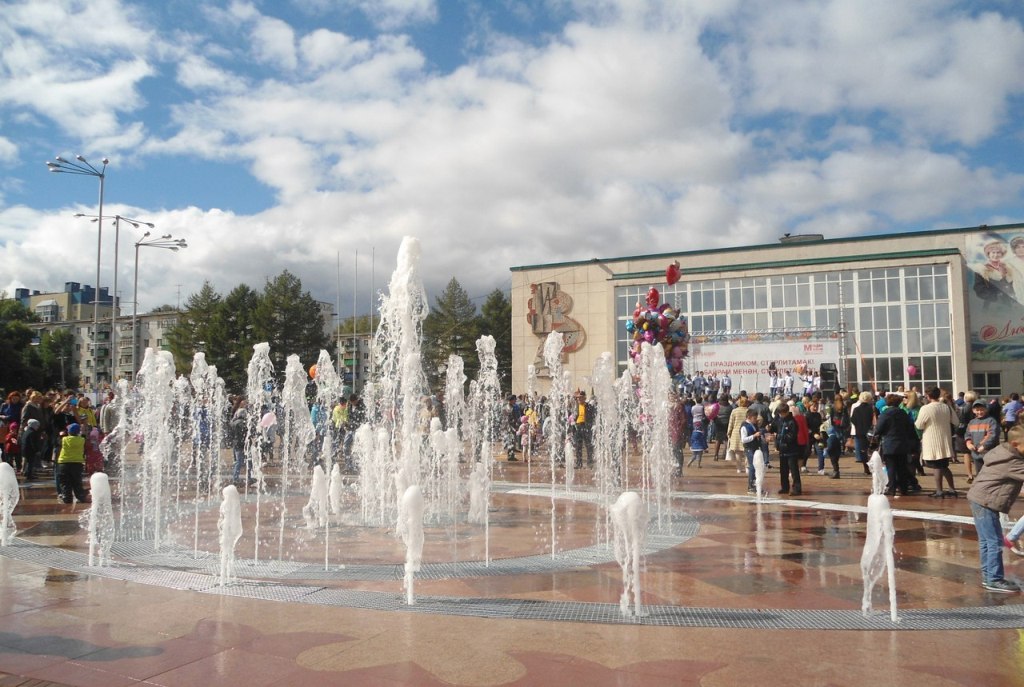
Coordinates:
(83, 167)
(166, 242)
(137, 223)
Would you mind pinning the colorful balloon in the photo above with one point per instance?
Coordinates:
(312, 371)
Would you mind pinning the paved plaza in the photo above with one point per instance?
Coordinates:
(735, 592)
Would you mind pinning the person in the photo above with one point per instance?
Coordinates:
(937, 422)
(896, 436)
(784, 430)
(862, 419)
(737, 417)
(32, 445)
(981, 436)
(1013, 536)
(12, 447)
(511, 417)
(1010, 411)
(721, 425)
(10, 410)
(676, 428)
(750, 437)
(994, 491)
(803, 435)
(237, 430)
(108, 415)
(764, 420)
(698, 445)
(726, 383)
(71, 465)
(838, 420)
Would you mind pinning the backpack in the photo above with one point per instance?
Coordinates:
(785, 440)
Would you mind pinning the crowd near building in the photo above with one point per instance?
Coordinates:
(929, 308)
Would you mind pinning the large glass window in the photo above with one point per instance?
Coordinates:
(897, 319)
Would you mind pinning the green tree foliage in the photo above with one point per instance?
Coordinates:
(362, 324)
(451, 328)
(20, 367)
(56, 350)
(199, 327)
(496, 321)
(290, 320)
(237, 313)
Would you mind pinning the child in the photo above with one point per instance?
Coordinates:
(981, 436)
(1013, 537)
(994, 491)
(70, 465)
(698, 444)
(12, 449)
(751, 437)
(93, 456)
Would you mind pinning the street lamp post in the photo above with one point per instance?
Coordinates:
(83, 167)
(137, 223)
(166, 242)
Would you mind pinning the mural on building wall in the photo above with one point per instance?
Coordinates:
(548, 311)
(996, 295)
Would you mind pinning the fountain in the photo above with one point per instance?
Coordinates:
(9, 497)
(229, 527)
(101, 520)
(629, 519)
(878, 544)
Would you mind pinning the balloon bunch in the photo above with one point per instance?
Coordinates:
(660, 324)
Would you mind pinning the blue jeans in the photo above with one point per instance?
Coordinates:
(239, 462)
(990, 542)
(860, 448)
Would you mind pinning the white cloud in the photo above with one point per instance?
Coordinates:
(628, 131)
(273, 42)
(392, 14)
(8, 150)
(929, 64)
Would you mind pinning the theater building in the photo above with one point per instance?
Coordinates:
(915, 309)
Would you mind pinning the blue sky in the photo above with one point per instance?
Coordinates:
(280, 135)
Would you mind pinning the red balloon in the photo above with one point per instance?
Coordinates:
(653, 297)
(672, 273)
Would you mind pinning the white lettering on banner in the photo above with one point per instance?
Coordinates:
(747, 362)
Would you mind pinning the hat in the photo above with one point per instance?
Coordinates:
(980, 404)
(74, 429)
(33, 423)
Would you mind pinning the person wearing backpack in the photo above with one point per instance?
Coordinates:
(784, 431)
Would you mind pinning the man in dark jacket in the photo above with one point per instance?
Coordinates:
(896, 438)
(784, 429)
(994, 491)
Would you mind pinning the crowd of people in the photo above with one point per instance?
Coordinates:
(914, 434)
(55, 431)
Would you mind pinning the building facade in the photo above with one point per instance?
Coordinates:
(916, 309)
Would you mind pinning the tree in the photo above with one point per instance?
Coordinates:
(362, 325)
(290, 320)
(200, 327)
(237, 312)
(19, 368)
(451, 328)
(56, 349)
(496, 320)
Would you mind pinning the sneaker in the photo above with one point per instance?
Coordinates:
(1001, 586)
(803, 469)
(783, 491)
(821, 472)
(752, 492)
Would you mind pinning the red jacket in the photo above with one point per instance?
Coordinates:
(802, 435)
